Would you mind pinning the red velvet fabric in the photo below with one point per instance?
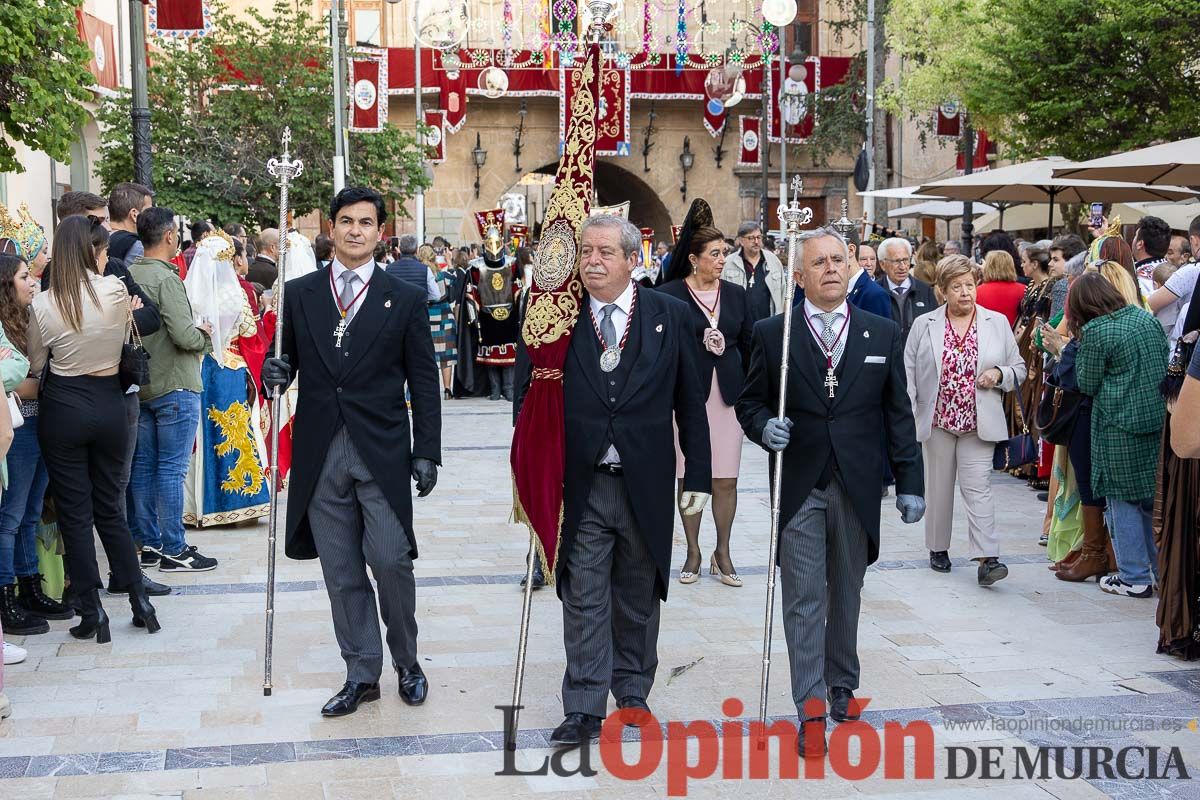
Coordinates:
(538, 456)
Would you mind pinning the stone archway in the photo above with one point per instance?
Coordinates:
(614, 184)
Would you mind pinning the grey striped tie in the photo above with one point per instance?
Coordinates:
(830, 335)
(348, 293)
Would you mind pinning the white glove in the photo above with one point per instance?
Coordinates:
(693, 502)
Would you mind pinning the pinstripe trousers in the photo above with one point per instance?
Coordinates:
(354, 527)
(610, 609)
(822, 560)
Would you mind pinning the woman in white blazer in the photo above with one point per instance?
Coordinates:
(960, 359)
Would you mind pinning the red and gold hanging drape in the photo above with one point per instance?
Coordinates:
(538, 457)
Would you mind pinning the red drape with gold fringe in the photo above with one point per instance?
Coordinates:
(538, 456)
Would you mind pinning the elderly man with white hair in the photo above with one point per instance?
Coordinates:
(952, 247)
(847, 376)
(911, 297)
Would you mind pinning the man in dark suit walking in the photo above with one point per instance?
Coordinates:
(910, 296)
(846, 373)
(263, 269)
(629, 368)
(357, 335)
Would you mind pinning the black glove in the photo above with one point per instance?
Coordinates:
(277, 372)
(424, 472)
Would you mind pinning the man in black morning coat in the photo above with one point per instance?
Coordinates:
(349, 503)
(829, 510)
(619, 489)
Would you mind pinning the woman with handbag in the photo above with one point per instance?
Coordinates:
(1121, 362)
(77, 332)
(24, 606)
(960, 360)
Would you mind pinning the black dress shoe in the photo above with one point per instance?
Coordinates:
(939, 560)
(840, 699)
(539, 578)
(990, 571)
(414, 688)
(153, 588)
(346, 701)
(577, 728)
(634, 711)
(811, 741)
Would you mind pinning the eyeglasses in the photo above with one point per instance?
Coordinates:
(755, 238)
(895, 260)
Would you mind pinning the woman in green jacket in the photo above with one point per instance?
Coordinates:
(1122, 359)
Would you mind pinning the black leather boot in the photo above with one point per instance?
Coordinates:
(144, 615)
(92, 619)
(14, 619)
(38, 603)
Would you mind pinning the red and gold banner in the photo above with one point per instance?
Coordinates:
(948, 120)
(98, 36)
(519, 234)
(715, 117)
(675, 231)
(368, 90)
(435, 136)
(538, 456)
(749, 153)
(647, 245)
(980, 162)
(612, 112)
(179, 18)
(452, 96)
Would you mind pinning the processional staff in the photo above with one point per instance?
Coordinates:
(284, 168)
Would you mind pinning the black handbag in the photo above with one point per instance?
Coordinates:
(1060, 402)
(135, 361)
(1019, 450)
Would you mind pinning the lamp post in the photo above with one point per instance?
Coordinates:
(686, 159)
(479, 157)
(143, 163)
(337, 37)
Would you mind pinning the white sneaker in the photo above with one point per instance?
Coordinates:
(13, 654)
(1114, 585)
(5, 706)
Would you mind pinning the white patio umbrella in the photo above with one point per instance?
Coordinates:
(1176, 163)
(1029, 217)
(1033, 182)
(899, 193)
(1178, 215)
(940, 209)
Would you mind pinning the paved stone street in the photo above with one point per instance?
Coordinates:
(181, 713)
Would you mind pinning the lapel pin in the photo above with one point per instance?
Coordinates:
(866, 334)
(387, 303)
(659, 328)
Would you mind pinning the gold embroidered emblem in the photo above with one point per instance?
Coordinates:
(500, 314)
(497, 281)
(556, 257)
(551, 315)
(245, 477)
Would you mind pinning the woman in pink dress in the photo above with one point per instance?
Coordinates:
(723, 327)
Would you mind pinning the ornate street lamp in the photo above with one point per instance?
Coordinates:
(686, 159)
(479, 156)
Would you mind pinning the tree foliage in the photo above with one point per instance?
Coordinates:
(1077, 78)
(44, 78)
(219, 107)
(840, 112)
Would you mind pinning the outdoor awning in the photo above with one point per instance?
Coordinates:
(1176, 163)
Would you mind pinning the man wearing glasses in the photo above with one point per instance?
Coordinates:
(911, 296)
(756, 270)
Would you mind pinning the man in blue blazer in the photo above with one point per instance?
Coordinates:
(865, 293)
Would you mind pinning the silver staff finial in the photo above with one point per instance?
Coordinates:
(285, 167)
(845, 226)
(792, 216)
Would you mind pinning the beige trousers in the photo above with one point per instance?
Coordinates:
(966, 458)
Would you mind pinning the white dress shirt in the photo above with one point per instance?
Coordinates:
(892, 287)
(620, 316)
(816, 326)
(364, 274)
